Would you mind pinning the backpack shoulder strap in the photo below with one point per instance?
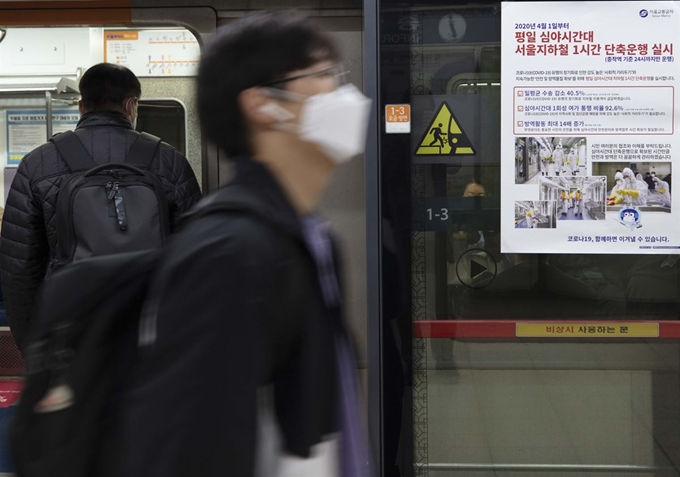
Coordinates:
(143, 150)
(73, 152)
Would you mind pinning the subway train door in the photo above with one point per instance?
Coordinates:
(464, 389)
(44, 49)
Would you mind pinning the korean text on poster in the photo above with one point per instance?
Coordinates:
(589, 110)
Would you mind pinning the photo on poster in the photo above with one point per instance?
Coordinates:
(544, 156)
(646, 185)
(577, 198)
(535, 214)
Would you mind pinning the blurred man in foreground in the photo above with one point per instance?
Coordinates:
(246, 367)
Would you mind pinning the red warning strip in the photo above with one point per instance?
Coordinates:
(546, 329)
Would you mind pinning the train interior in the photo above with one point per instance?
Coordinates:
(591, 192)
(535, 214)
(537, 157)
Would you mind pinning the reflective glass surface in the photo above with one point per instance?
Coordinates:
(472, 398)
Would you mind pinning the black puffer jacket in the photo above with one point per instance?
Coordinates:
(29, 235)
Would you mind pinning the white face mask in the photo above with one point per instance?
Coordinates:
(336, 122)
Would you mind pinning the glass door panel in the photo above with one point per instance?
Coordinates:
(469, 387)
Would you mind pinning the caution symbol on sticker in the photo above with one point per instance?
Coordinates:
(445, 137)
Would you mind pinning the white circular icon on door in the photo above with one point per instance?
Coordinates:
(452, 27)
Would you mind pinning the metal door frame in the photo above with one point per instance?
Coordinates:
(371, 73)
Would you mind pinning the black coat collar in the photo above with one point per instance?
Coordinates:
(256, 189)
(104, 118)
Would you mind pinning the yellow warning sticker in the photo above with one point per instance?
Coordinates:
(445, 137)
(587, 330)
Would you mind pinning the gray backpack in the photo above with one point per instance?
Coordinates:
(109, 208)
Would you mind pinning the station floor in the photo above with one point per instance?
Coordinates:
(562, 416)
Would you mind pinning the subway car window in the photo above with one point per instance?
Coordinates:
(165, 118)
(486, 371)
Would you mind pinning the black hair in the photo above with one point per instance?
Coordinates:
(252, 51)
(107, 86)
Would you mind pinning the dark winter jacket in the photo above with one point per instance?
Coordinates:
(239, 306)
(29, 235)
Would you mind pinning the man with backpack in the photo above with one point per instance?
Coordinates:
(102, 189)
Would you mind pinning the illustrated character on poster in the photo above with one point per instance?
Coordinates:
(662, 188)
(630, 217)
